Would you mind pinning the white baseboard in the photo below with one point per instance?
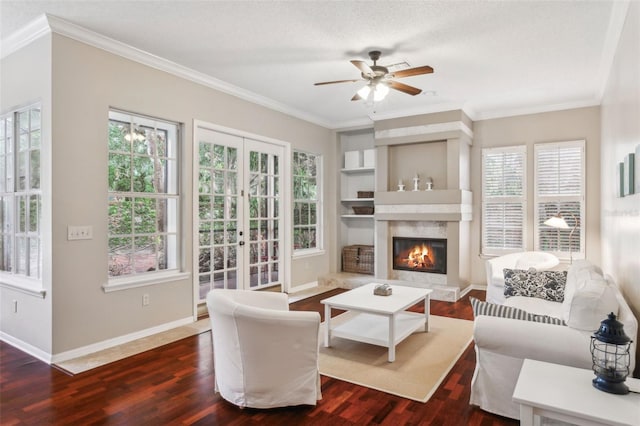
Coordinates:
(109, 343)
(472, 287)
(26, 347)
(302, 287)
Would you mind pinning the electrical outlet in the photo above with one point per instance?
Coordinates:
(145, 299)
(79, 232)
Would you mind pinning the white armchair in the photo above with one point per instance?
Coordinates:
(264, 355)
(522, 260)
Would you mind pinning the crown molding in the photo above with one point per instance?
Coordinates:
(48, 23)
(29, 33)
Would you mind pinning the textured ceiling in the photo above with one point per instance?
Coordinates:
(492, 58)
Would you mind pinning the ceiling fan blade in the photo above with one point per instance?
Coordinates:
(410, 90)
(356, 97)
(413, 71)
(363, 67)
(333, 82)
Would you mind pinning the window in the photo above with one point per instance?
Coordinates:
(559, 177)
(306, 201)
(20, 193)
(504, 203)
(143, 196)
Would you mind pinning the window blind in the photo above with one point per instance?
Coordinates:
(559, 178)
(503, 199)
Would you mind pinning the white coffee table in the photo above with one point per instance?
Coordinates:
(566, 393)
(378, 320)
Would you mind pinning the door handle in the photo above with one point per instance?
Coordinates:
(240, 243)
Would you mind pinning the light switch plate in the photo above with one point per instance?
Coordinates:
(79, 232)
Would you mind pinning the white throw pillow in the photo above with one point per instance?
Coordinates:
(593, 299)
(580, 270)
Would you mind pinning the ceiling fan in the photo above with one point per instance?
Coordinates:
(379, 79)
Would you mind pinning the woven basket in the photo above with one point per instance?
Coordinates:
(365, 194)
(363, 209)
(358, 259)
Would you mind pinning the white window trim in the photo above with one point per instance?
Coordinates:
(563, 256)
(153, 278)
(30, 286)
(490, 251)
(169, 275)
(319, 248)
(26, 284)
(310, 252)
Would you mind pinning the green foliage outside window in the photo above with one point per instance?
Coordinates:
(140, 174)
(306, 200)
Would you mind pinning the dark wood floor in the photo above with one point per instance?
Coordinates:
(173, 384)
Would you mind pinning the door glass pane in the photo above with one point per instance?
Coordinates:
(263, 205)
(218, 213)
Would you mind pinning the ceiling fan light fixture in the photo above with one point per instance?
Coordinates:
(364, 92)
(380, 92)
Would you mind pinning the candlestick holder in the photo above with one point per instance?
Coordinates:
(416, 183)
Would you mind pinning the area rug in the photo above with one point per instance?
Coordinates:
(423, 360)
(116, 353)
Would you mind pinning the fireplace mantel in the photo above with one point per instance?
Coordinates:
(448, 205)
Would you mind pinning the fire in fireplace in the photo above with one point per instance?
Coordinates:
(420, 254)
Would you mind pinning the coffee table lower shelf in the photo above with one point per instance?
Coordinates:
(374, 329)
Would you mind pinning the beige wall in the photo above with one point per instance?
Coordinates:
(86, 82)
(582, 123)
(620, 136)
(25, 78)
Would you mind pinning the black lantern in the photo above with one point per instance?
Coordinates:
(610, 355)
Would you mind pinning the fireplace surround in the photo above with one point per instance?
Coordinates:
(420, 254)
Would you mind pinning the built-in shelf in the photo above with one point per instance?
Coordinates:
(358, 170)
(357, 216)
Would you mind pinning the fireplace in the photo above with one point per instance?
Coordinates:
(420, 254)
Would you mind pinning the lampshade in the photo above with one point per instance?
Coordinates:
(557, 221)
(364, 92)
(610, 356)
(380, 91)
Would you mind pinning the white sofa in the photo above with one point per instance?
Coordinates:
(502, 343)
(522, 260)
(264, 355)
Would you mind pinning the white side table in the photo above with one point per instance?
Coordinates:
(566, 393)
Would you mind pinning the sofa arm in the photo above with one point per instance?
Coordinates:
(527, 339)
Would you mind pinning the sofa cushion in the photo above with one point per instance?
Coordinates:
(495, 310)
(548, 285)
(535, 305)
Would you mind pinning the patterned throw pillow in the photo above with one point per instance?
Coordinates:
(495, 310)
(548, 285)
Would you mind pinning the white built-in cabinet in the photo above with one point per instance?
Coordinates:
(355, 228)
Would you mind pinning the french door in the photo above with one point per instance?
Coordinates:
(239, 214)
